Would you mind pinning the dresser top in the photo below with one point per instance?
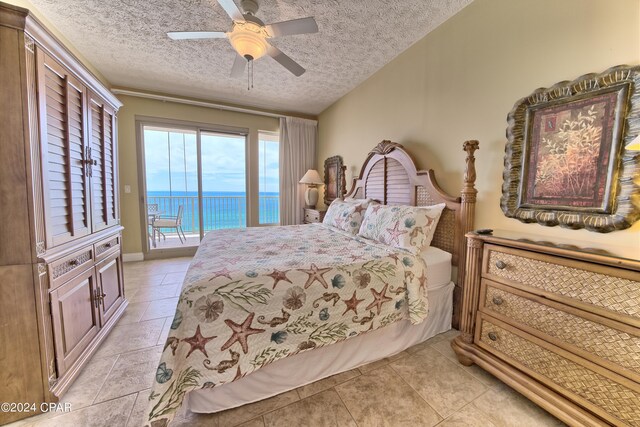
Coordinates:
(615, 256)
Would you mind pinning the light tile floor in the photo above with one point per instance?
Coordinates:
(422, 386)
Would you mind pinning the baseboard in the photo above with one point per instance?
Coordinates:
(134, 256)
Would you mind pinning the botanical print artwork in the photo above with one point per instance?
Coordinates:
(570, 153)
(254, 296)
(332, 185)
(566, 160)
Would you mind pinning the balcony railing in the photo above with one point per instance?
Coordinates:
(218, 211)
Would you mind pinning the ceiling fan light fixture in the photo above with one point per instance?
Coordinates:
(249, 40)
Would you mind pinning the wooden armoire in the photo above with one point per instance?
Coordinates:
(61, 282)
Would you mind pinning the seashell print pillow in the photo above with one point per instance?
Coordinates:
(406, 227)
(346, 216)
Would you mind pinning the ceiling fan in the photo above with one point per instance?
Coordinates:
(249, 35)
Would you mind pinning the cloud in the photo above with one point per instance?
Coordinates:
(171, 162)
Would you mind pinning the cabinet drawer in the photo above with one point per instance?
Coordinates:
(612, 292)
(66, 268)
(607, 342)
(106, 246)
(610, 396)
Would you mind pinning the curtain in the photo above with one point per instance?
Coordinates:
(297, 155)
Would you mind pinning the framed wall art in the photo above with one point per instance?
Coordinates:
(334, 179)
(565, 161)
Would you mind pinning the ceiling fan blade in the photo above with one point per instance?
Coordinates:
(285, 61)
(238, 67)
(295, 26)
(232, 10)
(195, 35)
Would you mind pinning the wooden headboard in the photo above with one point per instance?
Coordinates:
(389, 176)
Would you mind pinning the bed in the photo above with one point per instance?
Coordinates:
(266, 310)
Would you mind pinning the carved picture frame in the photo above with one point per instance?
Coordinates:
(565, 160)
(334, 179)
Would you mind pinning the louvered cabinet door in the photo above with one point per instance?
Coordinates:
(103, 172)
(61, 99)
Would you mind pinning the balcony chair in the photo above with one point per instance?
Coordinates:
(153, 213)
(170, 222)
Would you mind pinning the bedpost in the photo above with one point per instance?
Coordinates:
(467, 213)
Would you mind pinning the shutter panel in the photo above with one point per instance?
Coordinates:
(374, 187)
(62, 125)
(103, 152)
(398, 187)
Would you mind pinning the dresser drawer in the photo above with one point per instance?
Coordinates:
(609, 291)
(612, 397)
(609, 343)
(64, 269)
(107, 246)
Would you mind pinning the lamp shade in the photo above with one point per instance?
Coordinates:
(312, 177)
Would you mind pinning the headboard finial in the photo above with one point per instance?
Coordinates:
(470, 170)
(385, 147)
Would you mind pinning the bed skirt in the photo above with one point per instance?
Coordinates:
(305, 368)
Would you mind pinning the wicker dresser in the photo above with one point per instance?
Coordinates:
(559, 324)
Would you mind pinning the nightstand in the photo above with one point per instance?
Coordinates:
(313, 215)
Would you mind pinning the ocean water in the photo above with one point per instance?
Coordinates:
(220, 209)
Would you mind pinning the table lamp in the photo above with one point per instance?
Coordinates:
(312, 180)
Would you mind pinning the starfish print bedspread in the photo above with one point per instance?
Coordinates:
(253, 296)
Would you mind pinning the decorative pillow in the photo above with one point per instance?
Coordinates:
(352, 200)
(346, 216)
(406, 227)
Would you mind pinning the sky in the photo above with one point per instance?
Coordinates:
(223, 162)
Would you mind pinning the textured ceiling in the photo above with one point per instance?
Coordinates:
(126, 40)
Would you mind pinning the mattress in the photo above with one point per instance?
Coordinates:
(323, 362)
(257, 295)
(438, 267)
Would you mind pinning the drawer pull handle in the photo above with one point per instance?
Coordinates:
(107, 245)
(73, 262)
(497, 300)
(501, 265)
(493, 336)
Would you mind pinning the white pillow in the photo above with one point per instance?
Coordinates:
(346, 216)
(406, 227)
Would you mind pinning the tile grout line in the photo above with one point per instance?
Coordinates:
(133, 407)
(105, 379)
(345, 405)
(466, 370)
(462, 408)
(417, 392)
(335, 385)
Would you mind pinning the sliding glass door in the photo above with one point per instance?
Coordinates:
(195, 182)
(224, 183)
(171, 177)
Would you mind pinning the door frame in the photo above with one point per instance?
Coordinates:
(140, 123)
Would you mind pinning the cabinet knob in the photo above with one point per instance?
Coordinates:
(501, 264)
(497, 300)
(493, 336)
